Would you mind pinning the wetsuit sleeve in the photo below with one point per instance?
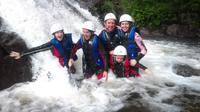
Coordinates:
(75, 48)
(43, 47)
(101, 39)
(103, 55)
(139, 65)
(142, 47)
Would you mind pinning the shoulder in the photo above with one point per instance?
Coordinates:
(95, 36)
(102, 32)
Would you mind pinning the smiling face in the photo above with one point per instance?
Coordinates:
(86, 34)
(119, 58)
(110, 25)
(125, 25)
(59, 35)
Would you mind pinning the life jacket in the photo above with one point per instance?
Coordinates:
(91, 52)
(62, 49)
(130, 44)
(120, 69)
(111, 40)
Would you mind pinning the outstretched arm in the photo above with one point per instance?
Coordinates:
(44, 47)
(146, 70)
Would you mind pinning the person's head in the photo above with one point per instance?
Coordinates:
(110, 22)
(58, 31)
(125, 22)
(120, 53)
(88, 29)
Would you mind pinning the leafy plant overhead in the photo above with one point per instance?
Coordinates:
(154, 13)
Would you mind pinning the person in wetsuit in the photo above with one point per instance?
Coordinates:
(94, 56)
(111, 35)
(132, 41)
(61, 45)
(120, 64)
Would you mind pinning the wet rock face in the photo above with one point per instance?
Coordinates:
(185, 70)
(13, 71)
(187, 99)
(88, 3)
(182, 31)
(0, 22)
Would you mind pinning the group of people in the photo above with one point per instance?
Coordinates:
(119, 48)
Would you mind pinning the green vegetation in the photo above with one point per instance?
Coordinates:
(154, 13)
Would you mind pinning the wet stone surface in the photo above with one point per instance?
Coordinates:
(169, 84)
(185, 70)
(13, 71)
(187, 99)
(152, 92)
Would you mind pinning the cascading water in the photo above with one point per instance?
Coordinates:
(51, 92)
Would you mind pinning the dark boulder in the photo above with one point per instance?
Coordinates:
(185, 70)
(13, 71)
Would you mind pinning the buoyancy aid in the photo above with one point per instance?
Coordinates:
(62, 49)
(130, 44)
(91, 52)
(120, 69)
(111, 39)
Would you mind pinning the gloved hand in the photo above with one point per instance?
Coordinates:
(15, 55)
(133, 62)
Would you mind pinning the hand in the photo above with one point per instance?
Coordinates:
(147, 71)
(133, 62)
(15, 55)
(105, 74)
(71, 62)
(111, 52)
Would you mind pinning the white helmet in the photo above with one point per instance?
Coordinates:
(120, 50)
(56, 27)
(110, 16)
(126, 17)
(88, 25)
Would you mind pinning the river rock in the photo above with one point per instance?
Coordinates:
(13, 71)
(186, 98)
(185, 70)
